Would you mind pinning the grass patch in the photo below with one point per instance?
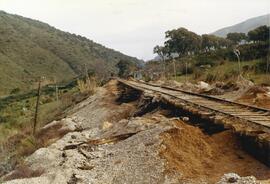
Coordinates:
(226, 71)
(16, 115)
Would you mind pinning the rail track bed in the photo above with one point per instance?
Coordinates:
(252, 124)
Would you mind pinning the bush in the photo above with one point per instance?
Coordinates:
(231, 74)
(197, 74)
(189, 70)
(88, 86)
(261, 66)
(27, 146)
(208, 58)
(211, 77)
(254, 50)
(15, 91)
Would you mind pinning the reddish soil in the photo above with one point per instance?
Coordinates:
(197, 156)
(256, 96)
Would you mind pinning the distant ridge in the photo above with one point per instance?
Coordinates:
(244, 27)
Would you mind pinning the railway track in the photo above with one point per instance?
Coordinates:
(259, 117)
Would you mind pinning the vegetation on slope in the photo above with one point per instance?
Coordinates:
(30, 49)
(185, 52)
(17, 113)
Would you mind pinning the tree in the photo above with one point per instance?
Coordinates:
(224, 43)
(236, 37)
(15, 91)
(124, 68)
(207, 42)
(182, 41)
(163, 52)
(214, 42)
(259, 34)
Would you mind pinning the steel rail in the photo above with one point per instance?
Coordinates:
(248, 107)
(210, 97)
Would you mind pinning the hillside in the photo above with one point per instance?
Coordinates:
(29, 49)
(244, 27)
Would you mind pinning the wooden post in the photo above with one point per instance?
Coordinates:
(186, 71)
(37, 107)
(56, 90)
(267, 65)
(164, 67)
(86, 73)
(267, 68)
(174, 69)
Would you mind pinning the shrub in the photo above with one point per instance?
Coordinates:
(27, 146)
(254, 50)
(89, 85)
(208, 58)
(188, 70)
(197, 74)
(261, 66)
(15, 91)
(211, 77)
(231, 74)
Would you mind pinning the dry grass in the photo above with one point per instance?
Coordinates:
(89, 85)
(23, 171)
(19, 141)
(20, 145)
(49, 134)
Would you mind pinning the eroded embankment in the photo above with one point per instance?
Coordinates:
(254, 135)
(198, 148)
(199, 156)
(120, 135)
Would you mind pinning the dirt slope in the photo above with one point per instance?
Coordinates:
(206, 158)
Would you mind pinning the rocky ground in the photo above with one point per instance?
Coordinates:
(111, 140)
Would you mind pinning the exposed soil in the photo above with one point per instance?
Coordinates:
(256, 95)
(200, 157)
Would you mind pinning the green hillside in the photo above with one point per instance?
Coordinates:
(29, 49)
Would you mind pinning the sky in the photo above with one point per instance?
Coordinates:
(134, 27)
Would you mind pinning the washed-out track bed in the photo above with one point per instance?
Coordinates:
(251, 123)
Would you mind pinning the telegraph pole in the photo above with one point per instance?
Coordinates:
(164, 67)
(174, 69)
(186, 71)
(56, 90)
(37, 106)
(86, 73)
(267, 67)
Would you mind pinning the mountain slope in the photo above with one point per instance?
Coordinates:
(244, 27)
(29, 49)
